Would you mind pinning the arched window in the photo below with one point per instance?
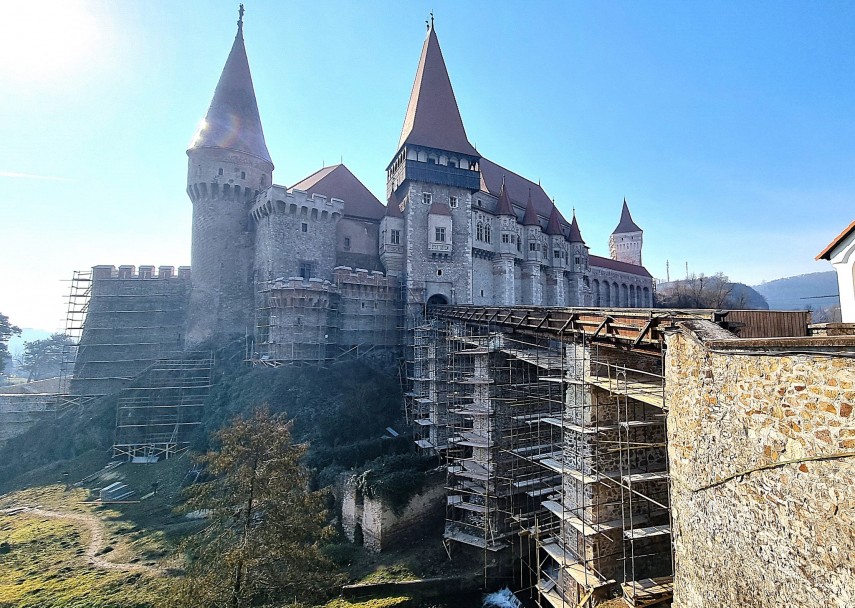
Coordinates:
(595, 288)
(606, 297)
(487, 232)
(480, 232)
(632, 301)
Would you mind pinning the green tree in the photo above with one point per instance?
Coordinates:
(43, 358)
(265, 528)
(7, 330)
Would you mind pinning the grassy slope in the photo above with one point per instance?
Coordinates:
(342, 412)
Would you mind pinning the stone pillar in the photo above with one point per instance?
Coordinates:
(503, 280)
(532, 285)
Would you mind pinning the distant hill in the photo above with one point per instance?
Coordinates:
(802, 291)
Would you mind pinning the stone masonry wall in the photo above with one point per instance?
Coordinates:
(778, 536)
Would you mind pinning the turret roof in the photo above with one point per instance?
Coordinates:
(433, 118)
(575, 235)
(530, 217)
(553, 227)
(626, 224)
(504, 206)
(338, 182)
(232, 121)
(393, 206)
(518, 187)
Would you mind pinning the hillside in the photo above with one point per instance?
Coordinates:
(802, 291)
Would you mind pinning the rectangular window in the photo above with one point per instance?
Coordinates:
(304, 227)
(453, 202)
(532, 246)
(395, 237)
(306, 270)
(440, 235)
(243, 174)
(557, 254)
(347, 243)
(506, 238)
(426, 198)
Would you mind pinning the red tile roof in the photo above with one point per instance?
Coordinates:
(518, 188)
(504, 206)
(338, 182)
(232, 121)
(553, 227)
(439, 209)
(825, 254)
(433, 118)
(600, 262)
(574, 235)
(393, 208)
(626, 224)
(530, 217)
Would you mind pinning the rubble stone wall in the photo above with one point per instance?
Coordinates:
(782, 534)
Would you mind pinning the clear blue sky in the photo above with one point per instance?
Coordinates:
(728, 126)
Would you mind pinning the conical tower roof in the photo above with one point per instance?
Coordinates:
(575, 235)
(504, 206)
(232, 121)
(530, 217)
(433, 118)
(553, 227)
(626, 224)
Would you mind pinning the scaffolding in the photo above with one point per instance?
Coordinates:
(313, 321)
(156, 416)
(555, 447)
(120, 325)
(77, 306)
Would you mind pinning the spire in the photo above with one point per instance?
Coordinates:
(504, 206)
(575, 235)
(626, 224)
(433, 119)
(530, 217)
(553, 227)
(232, 121)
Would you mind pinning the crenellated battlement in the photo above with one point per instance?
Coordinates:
(345, 275)
(129, 271)
(278, 199)
(225, 192)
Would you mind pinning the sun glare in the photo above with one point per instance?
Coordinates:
(48, 40)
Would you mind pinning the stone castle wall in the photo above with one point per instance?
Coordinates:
(134, 317)
(784, 533)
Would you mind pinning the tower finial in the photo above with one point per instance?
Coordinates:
(240, 19)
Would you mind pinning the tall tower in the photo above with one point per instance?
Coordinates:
(228, 165)
(432, 177)
(626, 239)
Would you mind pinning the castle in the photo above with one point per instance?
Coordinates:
(323, 267)
(324, 261)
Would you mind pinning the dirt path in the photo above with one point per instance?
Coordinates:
(96, 533)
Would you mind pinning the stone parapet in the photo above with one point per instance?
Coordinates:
(761, 438)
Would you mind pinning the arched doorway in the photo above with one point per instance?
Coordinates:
(437, 300)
